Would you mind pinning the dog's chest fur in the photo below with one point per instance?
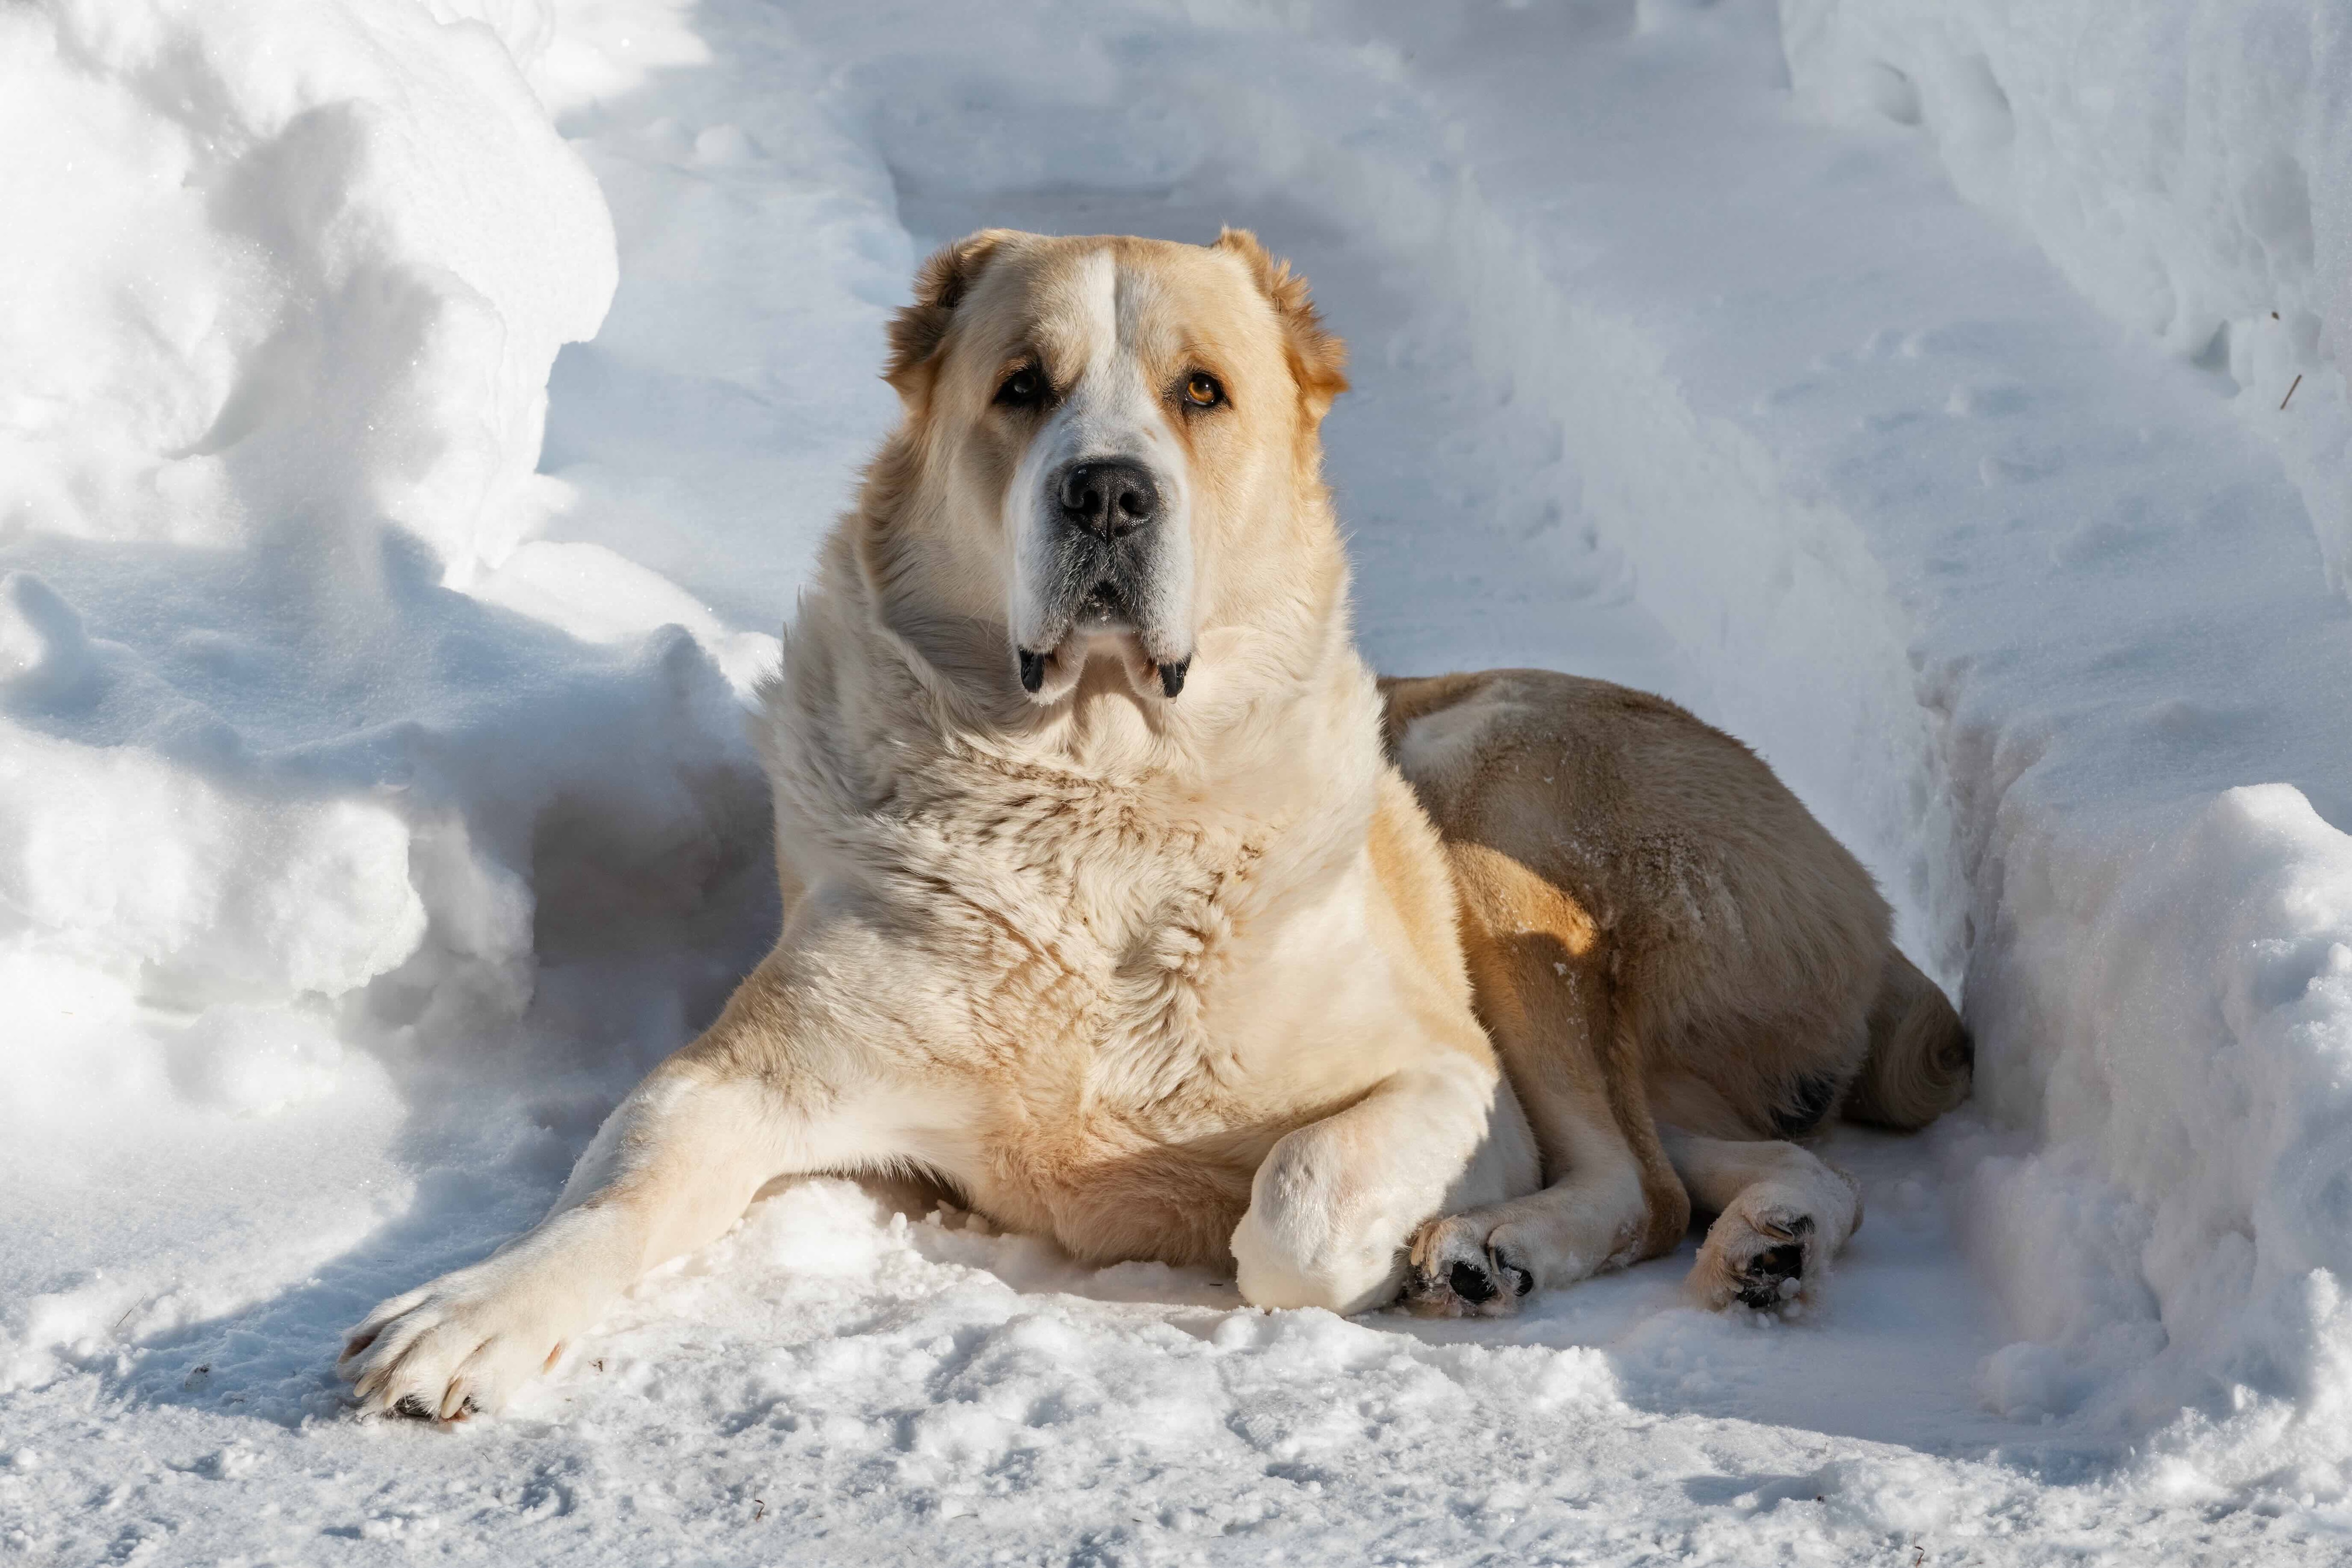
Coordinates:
(1097, 932)
(1098, 944)
(1098, 960)
(1117, 984)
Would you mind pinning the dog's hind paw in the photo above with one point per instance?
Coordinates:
(1759, 1259)
(1460, 1267)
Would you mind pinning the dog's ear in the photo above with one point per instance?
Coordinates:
(918, 329)
(1318, 359)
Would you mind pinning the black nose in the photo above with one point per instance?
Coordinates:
(1109, 498)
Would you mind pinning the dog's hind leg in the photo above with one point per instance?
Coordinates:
(1780, 1214)
(1481, 1262)
(1544, 993)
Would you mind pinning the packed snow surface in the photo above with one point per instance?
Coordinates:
(416, 418)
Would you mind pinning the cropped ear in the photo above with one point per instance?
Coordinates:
(918, 329)
(1318, 359)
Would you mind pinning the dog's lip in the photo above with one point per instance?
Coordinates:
(1169, 674)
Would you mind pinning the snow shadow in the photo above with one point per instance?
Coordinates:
(591, 844)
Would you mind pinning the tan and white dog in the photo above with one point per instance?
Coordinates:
(1112, 909)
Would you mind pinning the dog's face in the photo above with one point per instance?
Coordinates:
(1110, 447)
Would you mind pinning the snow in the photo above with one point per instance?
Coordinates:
(415, 420)
(2188, 166)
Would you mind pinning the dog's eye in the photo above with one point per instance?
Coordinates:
(1202, 390)
(1025, 388)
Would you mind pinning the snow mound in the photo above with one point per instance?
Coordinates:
(2193, 1055)
(287, 281)
(256, 294)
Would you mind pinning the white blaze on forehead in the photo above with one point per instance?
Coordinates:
(1137, 296)
(1110, 411)
(1097, 288)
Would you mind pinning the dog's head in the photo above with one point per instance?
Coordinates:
(1109, 449)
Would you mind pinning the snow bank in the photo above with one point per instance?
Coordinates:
(2162, 986)
(254, 292)
(285, 281)
(2188, 165)
(2178, 1024)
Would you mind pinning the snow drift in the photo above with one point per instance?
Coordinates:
(286, 286)
(2165, 995)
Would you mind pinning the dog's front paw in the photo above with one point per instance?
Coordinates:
(1759, 1255)
(456, 1347)
(1463, 1267)
(1314, 1237)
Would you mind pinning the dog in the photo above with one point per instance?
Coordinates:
(1126, 903)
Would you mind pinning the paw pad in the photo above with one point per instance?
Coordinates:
(1768, 1279)
(1456, 1274)
(1472, 1283)
(1520, 1281)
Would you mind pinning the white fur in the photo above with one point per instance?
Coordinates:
(1327, 1206)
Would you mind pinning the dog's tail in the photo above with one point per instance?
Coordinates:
(1921, 1059)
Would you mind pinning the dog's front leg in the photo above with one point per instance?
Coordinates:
(756, 1097)
(1334, 1203)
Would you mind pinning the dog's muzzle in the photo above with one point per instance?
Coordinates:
(1103, 559)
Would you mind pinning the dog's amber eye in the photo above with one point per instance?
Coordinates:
(1025, 388)
(1202, 390)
